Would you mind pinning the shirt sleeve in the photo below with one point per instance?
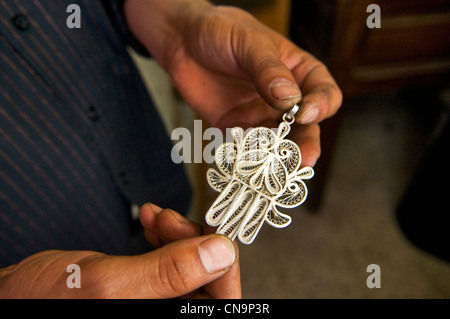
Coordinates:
(114, 9)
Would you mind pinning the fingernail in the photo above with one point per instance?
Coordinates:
(156, 209)
(309, 116)
(216, 254)
(284, 90)
(177, 216)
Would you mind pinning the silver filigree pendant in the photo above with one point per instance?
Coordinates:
(257, 173)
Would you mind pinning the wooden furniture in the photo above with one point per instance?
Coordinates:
(412, 48)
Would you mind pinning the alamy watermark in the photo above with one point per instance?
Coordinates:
(74, 279)
(374, 19)
(190, 146)
(74, 19)
(374, 279)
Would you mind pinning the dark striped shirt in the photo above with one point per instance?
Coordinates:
(80, 140)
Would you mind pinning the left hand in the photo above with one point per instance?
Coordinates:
(232, 70)
(163, 226)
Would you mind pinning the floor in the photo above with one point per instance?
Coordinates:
(325, 254)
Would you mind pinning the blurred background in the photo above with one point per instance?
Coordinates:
(379, 193)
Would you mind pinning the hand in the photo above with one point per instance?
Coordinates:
(235, 71)
(162, 226)
(180, 267)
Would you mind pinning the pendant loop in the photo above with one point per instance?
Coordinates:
(289, 117)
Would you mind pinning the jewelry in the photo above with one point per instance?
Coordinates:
(259, 172)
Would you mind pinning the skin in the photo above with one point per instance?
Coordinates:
(225, 64)
(232, 71)
(172, 270)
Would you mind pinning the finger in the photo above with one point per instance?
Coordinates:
(258, 55)
(308, 139)
(275, 83)
(322, 96)
(147, 217)
(172, 226)
(229, 285)
(165, 225)
(250, 114)
(171, 271)
(273, 80)
(174, 270)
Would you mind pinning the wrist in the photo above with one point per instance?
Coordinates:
(160, 25)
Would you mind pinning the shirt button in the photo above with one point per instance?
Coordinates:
(92, 113)
(124, 178)
(20, 21)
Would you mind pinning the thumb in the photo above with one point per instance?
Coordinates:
(273, 80)
(183, 266)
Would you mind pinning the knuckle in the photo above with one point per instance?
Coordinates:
(171, 279)
(97, 283)
(339, 97)
(335, 98)
(270, 62)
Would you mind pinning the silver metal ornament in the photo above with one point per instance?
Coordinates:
(257, 173)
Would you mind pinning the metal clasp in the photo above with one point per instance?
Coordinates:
(289, 117)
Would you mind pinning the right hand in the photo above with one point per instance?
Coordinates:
(235, 71)
(185, 265)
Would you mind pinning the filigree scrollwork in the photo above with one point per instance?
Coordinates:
(256, 174)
